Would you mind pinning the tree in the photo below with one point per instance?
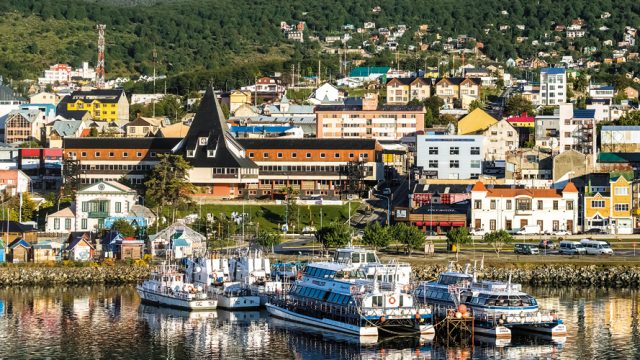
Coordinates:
(334, 235)
(476, 104)
(168, 184)
(375, 235)
(630, 119)
(29, 208)
(498, 239)
(124, 227)
(434, 103)
(517, 105)
(409, 236)
(458, 236)
(268, 239)
(93, 132)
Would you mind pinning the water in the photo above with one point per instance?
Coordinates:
(109, 323)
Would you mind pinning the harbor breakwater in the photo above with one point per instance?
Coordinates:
(35, 275)
(548, 274)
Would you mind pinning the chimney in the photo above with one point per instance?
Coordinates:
(370, 101)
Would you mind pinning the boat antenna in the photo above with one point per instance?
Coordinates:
(475, 269)
(450, 267)
(466, 268)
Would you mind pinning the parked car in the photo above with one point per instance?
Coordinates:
(478, 232)
(561, 233)
(526, 249)
(572, 248)
(596, 247)
(547, 244)
(595, 231)
(529, 230)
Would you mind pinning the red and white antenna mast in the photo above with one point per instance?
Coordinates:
(100, 64)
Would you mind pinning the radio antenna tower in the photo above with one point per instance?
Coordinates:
(100, 64)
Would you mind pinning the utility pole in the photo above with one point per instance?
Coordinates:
(100, 63)
(155, 58)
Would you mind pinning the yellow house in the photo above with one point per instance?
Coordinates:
(238, 98)
(402, 90)
(102, 105)
(610, 210)
(475, 122)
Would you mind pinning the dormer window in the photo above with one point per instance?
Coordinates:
(191, 153)
(211, 153)
(202, 141)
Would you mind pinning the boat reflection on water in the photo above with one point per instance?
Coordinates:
(239, 317)
(155, 314)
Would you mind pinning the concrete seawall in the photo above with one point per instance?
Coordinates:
(544, 274)
(33, 275)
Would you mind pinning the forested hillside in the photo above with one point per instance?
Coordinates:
(214, 38)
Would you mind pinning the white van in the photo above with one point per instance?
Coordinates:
(529, 230)
(596, 247)
(572, 248)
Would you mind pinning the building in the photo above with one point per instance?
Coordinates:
(19, 251)
(526, 165)
(499, 139)
(220, 167)
(494, 208)
(369, 120)
(237, 98)
(103, 105)
(14, 230)
(143, 127)
(553, 86)
(45, 98)
(435, 218)
(58, 74)
(424, 194)
(61, 222)
(43, 166)
(8, 100)
(325, 93)
(13, 182)
(601, 92)
(475, 122)
(80, 247)
(620, 139)
(146, 99)
(46, 251)
(98, 203)
(443, 156)
(314, 166)
(369, 73)
(177, 241)
(578, 132)
(462, 90)
(266, 88)
(400, 91)
(61, 129)
(24, 125)
(609, 208)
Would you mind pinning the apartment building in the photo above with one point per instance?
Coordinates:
(508, 208)
(609, 206)
(443, 156)
(102, 105)
(400, 91)
(369, 120)
(553, 86)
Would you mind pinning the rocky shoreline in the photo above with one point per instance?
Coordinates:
(34, 275)
(543, 274)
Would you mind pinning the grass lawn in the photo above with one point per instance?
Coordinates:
(299, 94)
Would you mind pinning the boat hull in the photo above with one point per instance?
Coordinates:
(496, 332)
(155, 298)
(552, 330)
(364, 331)
(238, 302)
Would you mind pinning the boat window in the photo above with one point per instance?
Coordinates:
(371, 258)
(355, 258)
(401, 303)
(331, 297)
(376, 300)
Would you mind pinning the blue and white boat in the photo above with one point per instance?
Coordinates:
(338, 296)
(497, 307)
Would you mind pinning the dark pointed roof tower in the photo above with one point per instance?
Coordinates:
(208, 143)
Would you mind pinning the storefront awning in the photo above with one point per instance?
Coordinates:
(457, 223)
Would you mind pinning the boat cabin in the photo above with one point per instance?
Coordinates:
(355, 256)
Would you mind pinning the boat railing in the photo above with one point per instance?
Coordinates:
(539, 317)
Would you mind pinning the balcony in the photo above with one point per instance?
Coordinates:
(98, 214)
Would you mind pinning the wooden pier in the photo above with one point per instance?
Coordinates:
(454, 327)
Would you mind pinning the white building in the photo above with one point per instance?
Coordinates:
(99, 201)
(601, 92)
(444, 156)
(145, 98)
(577, 130)
(508, 208)
(553, 86)
(325, 93)
(499, 138)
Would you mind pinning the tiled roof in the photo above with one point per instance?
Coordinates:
(366, 71)
(553, 71)
(570, 187)
(309, 143)
(66, 127)
(120, 143)
(514, 192)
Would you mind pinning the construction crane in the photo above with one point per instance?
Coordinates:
(100, 63)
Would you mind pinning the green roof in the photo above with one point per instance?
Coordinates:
(367, 71)
(608, 157)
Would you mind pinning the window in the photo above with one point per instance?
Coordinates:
(621, 207)
(477, 204)
(454, 150)
(83, 154)
(492, 205)
(555, 204)
(251, 155)
(540, 205)
(433, 164)
(308, 156)
(153, 154)
(125, 154)
(492, 225)
(454, 164)
(67, 224)
(336, 155)
(508, 206)
(351, 155)
(322, 155)
(139, 154)
(118, 207)
(294, 155)
(191, 153)
(265, 155)
(433, 150)
(97, 154)
(622, 191)
(569, 205)
(111, 154)
(56, 223)
(555, 225)
(279, 155)
(475, 150)
(597, 204)
(475, 164)
(85, 206)
(523, 205)
(83, 224)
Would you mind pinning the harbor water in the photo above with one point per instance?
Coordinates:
(102, 322)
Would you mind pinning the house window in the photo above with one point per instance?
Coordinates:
(569, 205)
(475, 150)
(191, 153)
(125, 154)
(433, 164)
(322, 155)
(477, 204)
(475, 164)
(97, 154)
(454, 164)
(67, 224)
(279, 155)
(308, 155)
(351, 155)
(153, 154)
(622, 191)
(336, 155)
(454, 150)
(523, 205)
(539, 204)
(139, 154)
(555, 204)
(111, 154)
(265, 155)
(251, 155)
(621, 207)
(83, 154)
(555, 225)
(508, 207)
(433, 150)
(492, 205)
(211, 153)
(56, 223)
(597, 204)
(492, 225)
(294, 155)
(85, 206)
(118, 207)
(83, 224)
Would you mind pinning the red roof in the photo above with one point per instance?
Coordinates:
(479, 186)
(521, 118)
(85, 132)
(570, 188)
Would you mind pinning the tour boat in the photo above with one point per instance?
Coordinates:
(497, 307)
(338, 296)
(368, 261)
(237, 296)
(166, 287)
(207, 271)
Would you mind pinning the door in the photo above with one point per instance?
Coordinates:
(570, 225)
(523, 223)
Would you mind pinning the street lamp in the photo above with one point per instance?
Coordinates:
(388, 208)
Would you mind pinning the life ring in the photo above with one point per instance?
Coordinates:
(299, 275)
(392, 300)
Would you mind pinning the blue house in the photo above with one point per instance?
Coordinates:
(2, 254)
(19, 251)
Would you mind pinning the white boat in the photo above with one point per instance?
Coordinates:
(166, 287)
(207, 271)
(368, 261)
(237, 296)
(497, 307)
(337, 296)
